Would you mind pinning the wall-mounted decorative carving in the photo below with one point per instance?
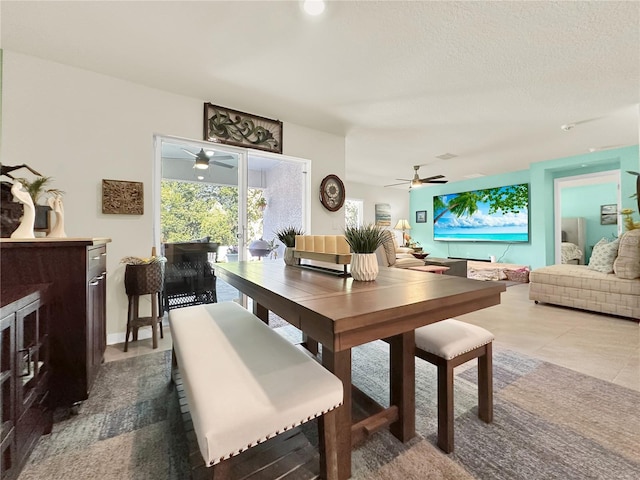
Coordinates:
(123, 197)
(223, 125)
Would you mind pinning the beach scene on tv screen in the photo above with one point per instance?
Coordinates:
(498, 214)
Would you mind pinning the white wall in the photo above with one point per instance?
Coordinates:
(327, 152)
(81, 127)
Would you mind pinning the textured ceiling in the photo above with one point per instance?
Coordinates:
(404, 81)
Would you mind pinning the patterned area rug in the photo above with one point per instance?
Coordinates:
(550, 423)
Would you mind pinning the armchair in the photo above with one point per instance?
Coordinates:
(391, 255)
(189, 276)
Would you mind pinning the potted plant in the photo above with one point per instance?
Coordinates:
(287, 236)
(261, 203)
(36, 189)
(364, 241)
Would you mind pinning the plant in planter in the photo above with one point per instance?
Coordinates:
(261, 203)
(287, 236)
(36, 189)
(364, 241)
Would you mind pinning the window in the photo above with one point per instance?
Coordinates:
(353, 212)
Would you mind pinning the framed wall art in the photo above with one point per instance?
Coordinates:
(383, 214)
(122, 197)
(421, 216)
(224, 125)
(609, 214)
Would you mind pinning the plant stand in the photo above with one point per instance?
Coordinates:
(145, 279)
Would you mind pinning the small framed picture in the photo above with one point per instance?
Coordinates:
(421, 216)
(609, 214)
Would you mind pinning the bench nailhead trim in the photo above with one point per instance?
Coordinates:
(271, 435)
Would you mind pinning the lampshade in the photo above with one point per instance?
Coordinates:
(402, 224)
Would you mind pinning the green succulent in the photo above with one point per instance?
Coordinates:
(364, 239)
(287, 235)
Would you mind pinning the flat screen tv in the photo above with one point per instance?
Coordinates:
(491, 215)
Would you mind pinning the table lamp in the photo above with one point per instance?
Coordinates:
(403, 224)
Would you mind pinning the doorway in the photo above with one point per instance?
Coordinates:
(593, 190)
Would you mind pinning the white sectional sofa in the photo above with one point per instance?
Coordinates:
(579, 286)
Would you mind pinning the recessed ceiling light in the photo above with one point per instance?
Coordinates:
(446, 156)
(313, 7)
(209, 153)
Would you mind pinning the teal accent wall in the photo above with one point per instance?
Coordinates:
(585, 201)
(540, 251)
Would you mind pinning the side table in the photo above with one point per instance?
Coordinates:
(457, 267)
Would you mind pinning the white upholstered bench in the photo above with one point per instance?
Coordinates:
(450, 343)
(244, 383)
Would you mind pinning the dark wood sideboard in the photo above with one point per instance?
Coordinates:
(76, 270)
(25, 371)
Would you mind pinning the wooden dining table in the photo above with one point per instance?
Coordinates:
(340, 313)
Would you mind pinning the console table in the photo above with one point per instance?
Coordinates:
(457, 267)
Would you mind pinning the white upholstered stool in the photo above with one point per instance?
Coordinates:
(450, 343)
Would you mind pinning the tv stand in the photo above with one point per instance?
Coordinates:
(488, 260)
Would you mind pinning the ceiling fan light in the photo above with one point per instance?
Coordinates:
(416, 182)
(202, 163)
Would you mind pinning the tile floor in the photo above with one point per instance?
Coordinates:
(598, 345)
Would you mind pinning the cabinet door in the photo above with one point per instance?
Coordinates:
(32, 373)
(31, 355)
(96, 326)
(7, 396)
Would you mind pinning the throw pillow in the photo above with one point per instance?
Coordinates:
(603, 255)
(627, 265)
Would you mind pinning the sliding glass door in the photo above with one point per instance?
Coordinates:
(233, 197)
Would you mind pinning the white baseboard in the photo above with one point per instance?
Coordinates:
(143, 333)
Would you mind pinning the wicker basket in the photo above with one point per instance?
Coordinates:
(144, 279)
(521, 276)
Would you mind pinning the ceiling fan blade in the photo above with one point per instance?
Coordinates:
(187, 151)
(436, 181)
(220, 164)
(395, 184)
(434, 177)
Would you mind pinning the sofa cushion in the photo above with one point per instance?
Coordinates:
(407, 262)
(603, 255)
(627, 264)
(582, 278)
(389, 247)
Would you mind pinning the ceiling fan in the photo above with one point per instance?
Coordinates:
(203, 160)
(416, 181)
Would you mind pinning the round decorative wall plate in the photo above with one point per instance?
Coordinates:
(332, 193)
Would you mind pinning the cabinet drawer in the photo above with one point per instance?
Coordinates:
(96, 261)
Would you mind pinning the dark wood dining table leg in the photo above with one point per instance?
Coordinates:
(310, 344)
(403, 384)
(261, 312)
(339, 363)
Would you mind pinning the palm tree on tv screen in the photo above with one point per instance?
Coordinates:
(506, 199)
